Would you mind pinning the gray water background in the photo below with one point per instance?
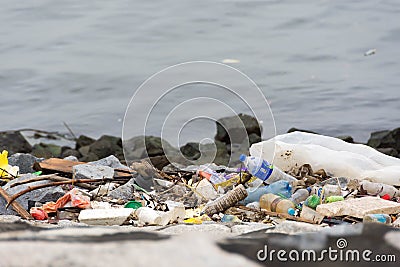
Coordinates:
(81, 61)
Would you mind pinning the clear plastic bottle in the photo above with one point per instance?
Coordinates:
(277, 175)
(281, 188)
(257, 166)
(275, 203)
(263, 170)
(379, 189)
(299, 196)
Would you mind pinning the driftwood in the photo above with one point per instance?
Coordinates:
(277, 214)
(54, 178)
(70, 181)
(16, 206)
(65, 166)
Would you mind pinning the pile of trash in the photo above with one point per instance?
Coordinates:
(314, 179)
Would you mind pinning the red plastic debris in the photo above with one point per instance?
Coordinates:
(38, 213)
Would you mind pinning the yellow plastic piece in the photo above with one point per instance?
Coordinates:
(5, 169)
(193, 221)
(4, 163)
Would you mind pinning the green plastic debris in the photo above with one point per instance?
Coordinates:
(133, 205)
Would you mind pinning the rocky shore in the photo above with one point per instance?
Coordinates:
(88, 149)
(82, 202)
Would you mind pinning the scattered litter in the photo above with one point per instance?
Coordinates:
(370, 52)
(230, 61)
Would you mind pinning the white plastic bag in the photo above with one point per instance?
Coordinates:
(335, 156)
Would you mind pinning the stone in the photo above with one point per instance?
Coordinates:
(110, 161)
(294, 129)
(141, 147)
(124, 192)
(40, 195)
(70, 152)
(254, 138)
(346, 138)
(46, 151)
(235, 129)
(84, 151)
(358, 207)
(105, 146)
(105, 216)
(396, 137)
(71, 158)
(205, 189)
(389, 151)
(191, 150)
(14, 142)
(102, 190)
(23, 161)
(382, 139)
(214, 152)
(89, 171)
(83, 140)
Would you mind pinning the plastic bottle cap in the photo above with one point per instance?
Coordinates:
(291, 211)
(242, 157)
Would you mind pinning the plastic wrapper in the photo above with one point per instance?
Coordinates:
(38, 213)
(337, 157)
(79, 200)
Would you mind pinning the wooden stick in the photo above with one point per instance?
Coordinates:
(73, 181)
(35, 179)
(277, 214)
(16, 206)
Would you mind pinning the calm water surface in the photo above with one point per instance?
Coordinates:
(81, 61)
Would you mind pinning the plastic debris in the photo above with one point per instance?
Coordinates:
(7, 171)
(370, 52)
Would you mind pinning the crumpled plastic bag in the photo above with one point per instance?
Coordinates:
(38, 213)
(75, 196)
(78, 199)
(337, 157)
(5, 169)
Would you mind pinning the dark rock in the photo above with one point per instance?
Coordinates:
(46, 151)
(104, 147)
(293, 129)
(141, 147)
(346, 138)
(235, 129)
(84, 140)
(191, 150)
(389, 151)
(382, 139)
(160, 162)
(208, 150)
(23, 161)
(70, 152)
(396, 137)
(14, 142)
(254, 138)
(84, 151)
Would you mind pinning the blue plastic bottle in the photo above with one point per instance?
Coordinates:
(280, 188)
(257, 166)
